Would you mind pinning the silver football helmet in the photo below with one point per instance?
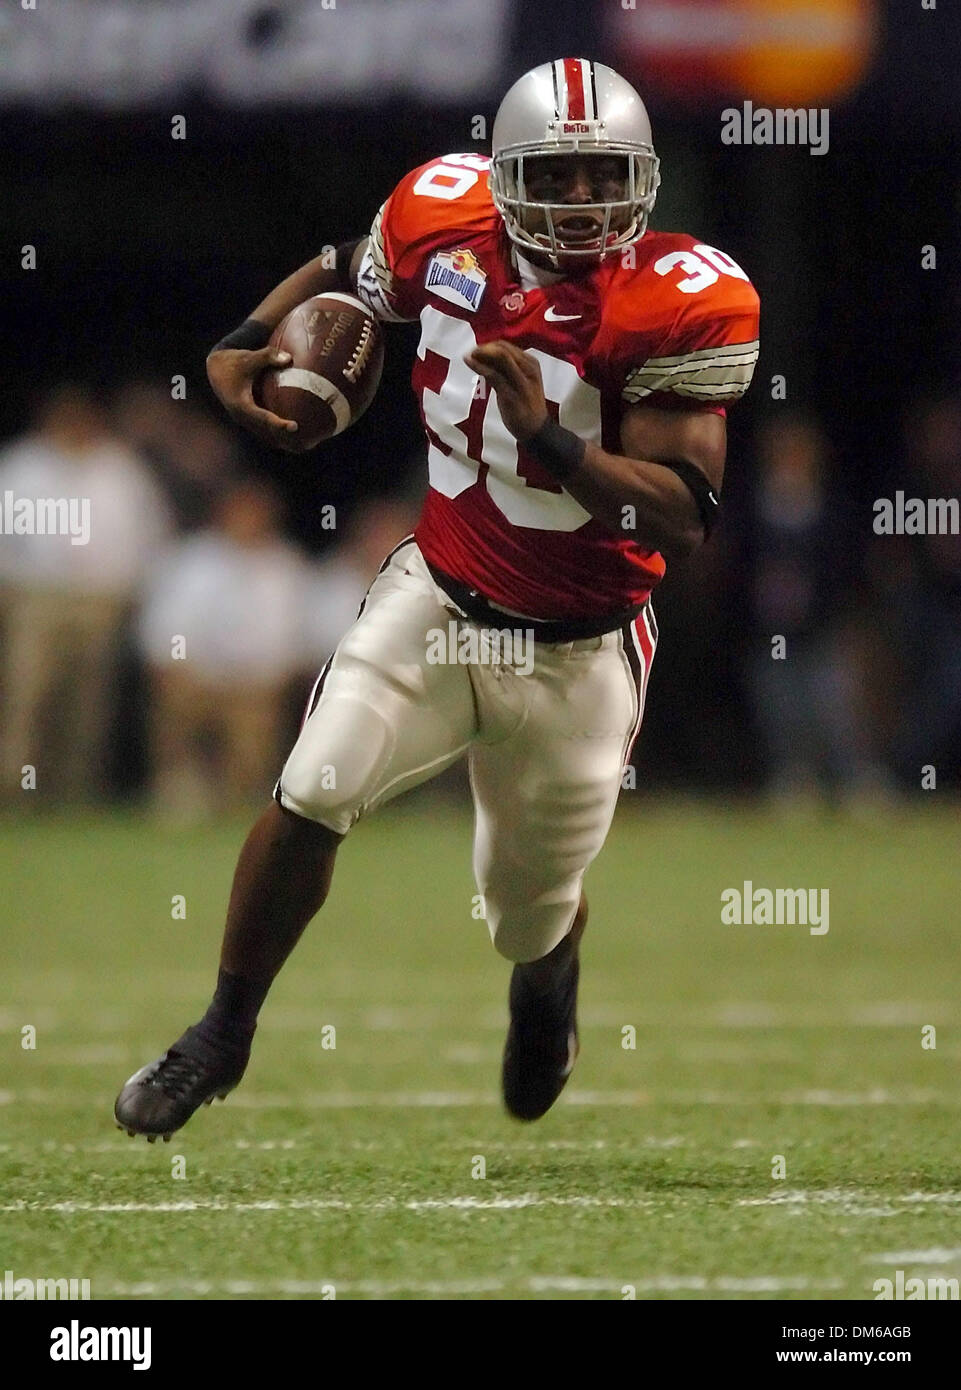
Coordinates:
(572, 105)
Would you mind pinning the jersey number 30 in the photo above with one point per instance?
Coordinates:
(468, 438)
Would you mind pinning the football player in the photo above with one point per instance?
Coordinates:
(572, 375)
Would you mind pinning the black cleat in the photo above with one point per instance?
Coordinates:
(542, 1042)
(162, 1096)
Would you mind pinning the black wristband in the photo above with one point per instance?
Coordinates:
(559, 450)
(251, 335)
(701, 489)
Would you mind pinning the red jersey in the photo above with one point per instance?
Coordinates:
(668, 321)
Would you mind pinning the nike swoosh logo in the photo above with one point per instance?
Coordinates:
(552, 317)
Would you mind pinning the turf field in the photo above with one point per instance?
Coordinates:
(353, 1165)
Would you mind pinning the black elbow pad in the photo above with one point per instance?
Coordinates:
(342, 259)
(701, 489)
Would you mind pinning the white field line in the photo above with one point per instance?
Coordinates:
(760, 1283)
(150, 1288)
(448, 1100)
(853, 1203)
(877, 1095)
(363, 1100)
(726, 1014)
(110, 1146)
(474, 1145)
(530, 1200)
(367, 1100)
(461, 1146)
(666, 1283)
(712, 1050)
(71, 1208)
(342, 1009)
(939, 1255)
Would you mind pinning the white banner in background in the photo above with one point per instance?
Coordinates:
(132, 53)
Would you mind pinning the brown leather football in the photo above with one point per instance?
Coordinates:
(337, 349)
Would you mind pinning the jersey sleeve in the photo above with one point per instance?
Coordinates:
(707, 347)
(427, 208)
(375, 276)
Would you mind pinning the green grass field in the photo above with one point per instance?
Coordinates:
(353, 1166)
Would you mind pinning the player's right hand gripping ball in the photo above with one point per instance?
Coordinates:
(337, 351)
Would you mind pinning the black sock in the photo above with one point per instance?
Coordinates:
(545, 974)
(233, 1011)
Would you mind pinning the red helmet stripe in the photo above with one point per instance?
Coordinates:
(574, 79)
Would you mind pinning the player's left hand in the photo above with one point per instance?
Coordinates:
(516, 378)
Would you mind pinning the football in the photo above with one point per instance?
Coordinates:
(337, 349)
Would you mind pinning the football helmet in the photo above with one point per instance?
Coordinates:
(572, 105)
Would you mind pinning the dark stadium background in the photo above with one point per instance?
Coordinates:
(150, 249)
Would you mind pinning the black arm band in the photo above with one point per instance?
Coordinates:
(559, 450)
(706, 499)
(342, 259)
(251, 335)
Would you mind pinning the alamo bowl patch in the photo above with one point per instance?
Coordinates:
(457, 277)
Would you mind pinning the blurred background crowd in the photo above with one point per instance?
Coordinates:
(168, 660)
(170, 653)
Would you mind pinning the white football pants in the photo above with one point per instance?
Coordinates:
(548, 728)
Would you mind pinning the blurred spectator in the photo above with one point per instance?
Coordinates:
(194, 456)
(67, 594)
(800, 567)
(342, 579)
(223, 630)
(928, 602)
